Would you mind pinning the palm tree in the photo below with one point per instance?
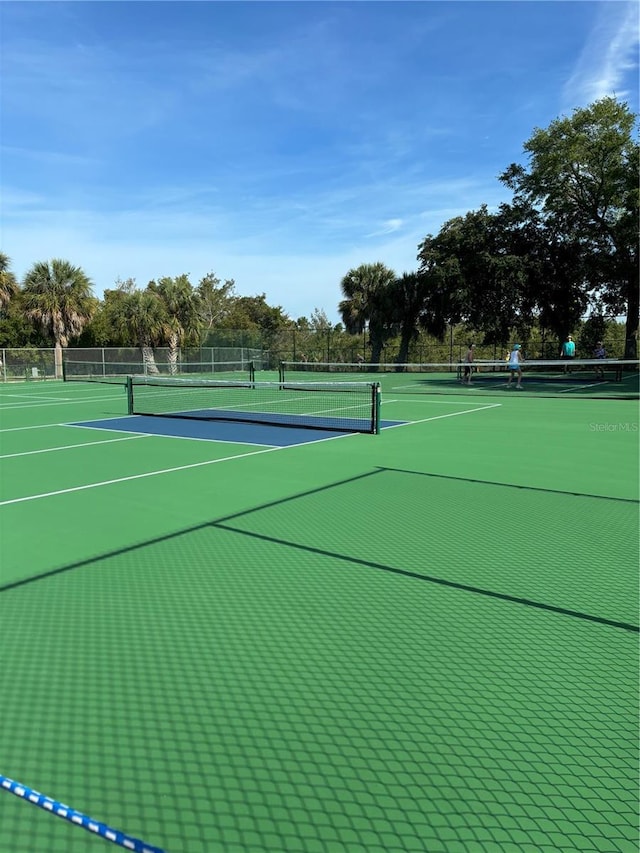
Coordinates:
(409, 303)
(369, 300)
(182, 319)
(8, 283)
(137, 317)
(58, 296)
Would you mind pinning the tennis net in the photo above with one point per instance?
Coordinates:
(582, 378)
(342, 406)
(116, 373)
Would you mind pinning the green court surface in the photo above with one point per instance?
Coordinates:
(424, 640)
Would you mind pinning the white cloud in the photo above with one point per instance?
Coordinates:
(295, 249)
(146, 244)
(610, 54)
(387, 227)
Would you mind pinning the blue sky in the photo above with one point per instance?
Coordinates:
(279, 144)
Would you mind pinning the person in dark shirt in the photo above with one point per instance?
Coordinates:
(599, 352)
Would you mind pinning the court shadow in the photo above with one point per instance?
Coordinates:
(226, 523)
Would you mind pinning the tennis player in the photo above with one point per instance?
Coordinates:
(599, 352)
(568, 351)
(515, 365)
(468, 361)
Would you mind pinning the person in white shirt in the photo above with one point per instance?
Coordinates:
(515, 365)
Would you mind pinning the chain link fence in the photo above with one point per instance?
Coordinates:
(267, 349)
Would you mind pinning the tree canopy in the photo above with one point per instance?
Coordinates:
(563, 248)
(582, 181)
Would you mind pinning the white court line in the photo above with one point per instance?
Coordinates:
(39, 426)
(582, 387)
(430, 402)
(35, 397)
(167, 471)
(179, 437)
(224, 459)
(59, 424)
(71, 446)
(134, 477)
(65, 402)
(450, 415)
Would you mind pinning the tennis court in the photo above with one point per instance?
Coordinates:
(248, 638)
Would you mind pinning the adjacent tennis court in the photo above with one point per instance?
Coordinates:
(243, 637)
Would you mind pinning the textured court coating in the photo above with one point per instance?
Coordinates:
(419, 641)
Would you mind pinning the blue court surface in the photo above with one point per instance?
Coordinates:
(237, 432)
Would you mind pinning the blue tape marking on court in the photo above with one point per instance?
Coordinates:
(240, 433)
(78, 818)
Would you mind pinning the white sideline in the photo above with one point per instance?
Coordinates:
(71, 446)
(450, 415)
(171, 470)
(135, 477)
(40, 398)
(216, 461)
(65, 401)
(172, 437)
(61, 424)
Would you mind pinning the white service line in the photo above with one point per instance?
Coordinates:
(179, 437)
(429, 402)
(71, 446)
(39, 426)
(36, 397)
(582, 387)
(166, 471)
(133, 477)
(450, 415)
(61, 424)
(64, 402)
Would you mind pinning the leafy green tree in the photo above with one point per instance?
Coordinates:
(253, 312)
(552, 280)
(583, 179)
(267, 322)
(58, 297)
(98, 331)
(476, 277)
(319, 321)
(215, 299)
(368, 301)
(16, 330)
(181, 314)
(442, 285)
(138, 318)
(591, 332)
(8, 283)
(409, 303)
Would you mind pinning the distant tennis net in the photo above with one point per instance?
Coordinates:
(116, 373)
(342, 406)
(582, 378)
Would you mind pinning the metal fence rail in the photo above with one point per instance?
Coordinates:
(267, 349)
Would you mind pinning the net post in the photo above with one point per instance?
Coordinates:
(281, 372)
(129, 390)
(64, 370)
(252, 372)
(377, 399)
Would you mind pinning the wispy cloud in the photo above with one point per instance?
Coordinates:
(609, 55)
(170, 233)
(279, 144)
(51, 158)
(387, 227)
